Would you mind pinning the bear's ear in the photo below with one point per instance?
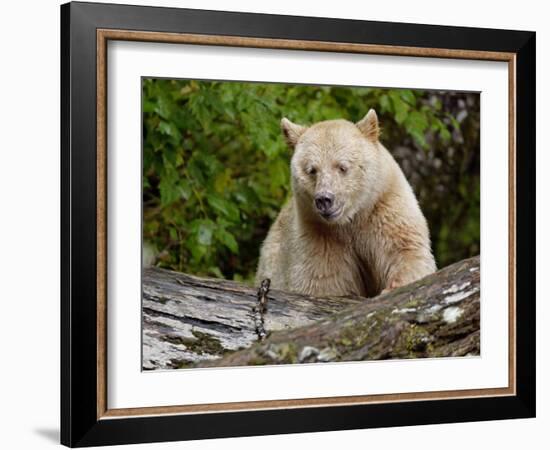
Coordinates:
(369, 126)
(291, 131)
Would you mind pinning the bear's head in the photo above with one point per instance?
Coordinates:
(334, 166)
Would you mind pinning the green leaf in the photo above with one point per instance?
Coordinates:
(419, 138)
(408, 96)
(215, 271)
(454, 122)
(224, 207)
(163, 107)
(169, 191)
(417, 121)
(148, 106)
(185, 190)
(227, 239)
(173, 233)
(169, 129)
(400, 107)
(197, 251)
(385, 104)
(444, 134)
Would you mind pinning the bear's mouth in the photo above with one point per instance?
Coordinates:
(331, 216)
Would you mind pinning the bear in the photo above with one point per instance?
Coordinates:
(352, 225)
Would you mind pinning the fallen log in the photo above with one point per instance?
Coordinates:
(186, 319)
(189, 322)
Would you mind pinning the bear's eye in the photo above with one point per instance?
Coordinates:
(342, 169)
(311, 170)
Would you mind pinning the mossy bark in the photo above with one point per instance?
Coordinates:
(438, 316)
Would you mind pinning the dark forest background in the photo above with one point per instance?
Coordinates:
(216, 168)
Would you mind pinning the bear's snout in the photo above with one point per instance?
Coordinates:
(324, 201)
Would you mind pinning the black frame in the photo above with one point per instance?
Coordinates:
(79, 423)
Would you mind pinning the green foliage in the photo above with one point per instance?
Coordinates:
(216, 169)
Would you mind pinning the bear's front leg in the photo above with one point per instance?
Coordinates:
(408, 266)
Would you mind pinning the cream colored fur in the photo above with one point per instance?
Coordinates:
(379, 238)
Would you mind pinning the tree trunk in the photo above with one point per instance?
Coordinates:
(189, 322)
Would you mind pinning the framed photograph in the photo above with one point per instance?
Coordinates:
(276, 224)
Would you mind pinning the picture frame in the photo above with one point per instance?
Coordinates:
(86, 29)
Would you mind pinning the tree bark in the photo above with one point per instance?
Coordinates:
(190, 322)
(187, 319)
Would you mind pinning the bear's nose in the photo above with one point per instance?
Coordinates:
(324, 201)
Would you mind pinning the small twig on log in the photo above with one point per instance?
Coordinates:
(260, 308)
